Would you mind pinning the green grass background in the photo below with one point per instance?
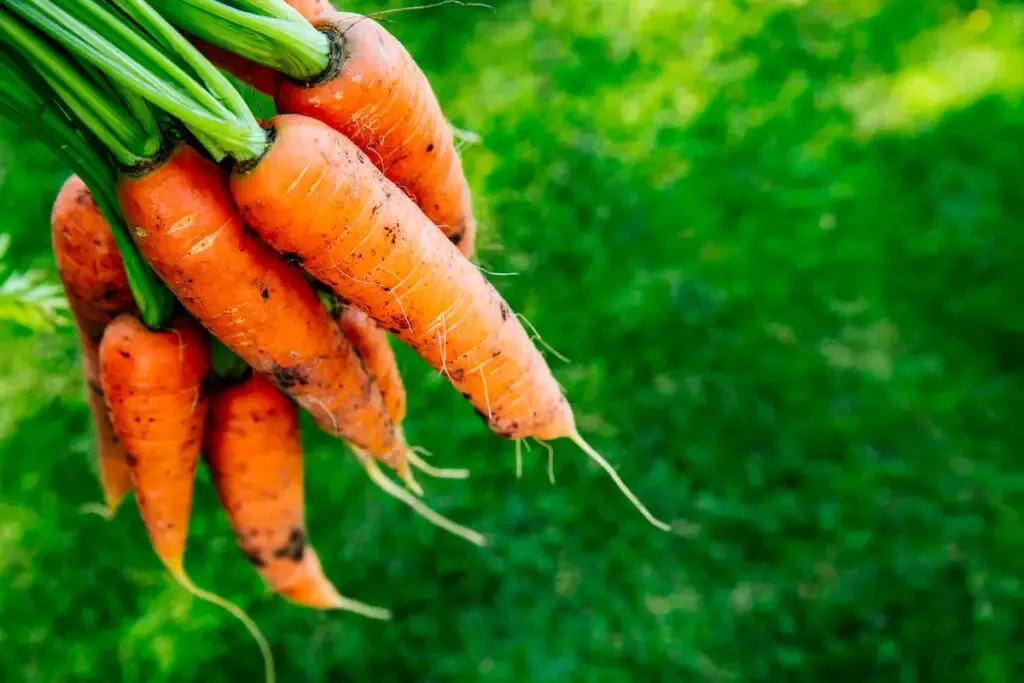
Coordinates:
(780, 241)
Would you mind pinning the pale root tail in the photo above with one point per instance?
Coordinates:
(234, 610)
(597, 457)
(384, 483)
(436, 472)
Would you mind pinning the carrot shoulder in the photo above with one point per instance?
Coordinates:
(251, 298)
(153, 382)
(96, 288)
(254, 453)
(374, 93)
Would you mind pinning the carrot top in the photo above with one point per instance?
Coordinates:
(267, 32)
(145, 55)
(81, 118)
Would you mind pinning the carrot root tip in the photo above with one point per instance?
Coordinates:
(599, 459)
(104, 510)
(436, 472)
(382, 482)
(234, 610)
(361, 608)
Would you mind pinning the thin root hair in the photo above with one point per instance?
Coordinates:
(536, 335)
(434, 5)
(551, 458)
(234, 610)
(436, 472)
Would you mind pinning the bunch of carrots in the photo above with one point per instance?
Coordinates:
(225, 272)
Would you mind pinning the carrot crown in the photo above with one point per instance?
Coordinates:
(268, 32)
(137, 49)
(62, 104)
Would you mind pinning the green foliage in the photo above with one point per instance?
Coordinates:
(28, 298)
(779, 242)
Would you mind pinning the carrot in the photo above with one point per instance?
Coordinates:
(372, 344)
(315, 194)
(254, 453)
(374, 93)
(155, 386)
(153, 382)
(96, 286)
(253, 299)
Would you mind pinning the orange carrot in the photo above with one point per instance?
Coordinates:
(96, 287)
(153, 382)
(155, 386)
(374, 93)
(254, 453)
(372, 344)
(315, 194)
(379, 358)
(260, 306)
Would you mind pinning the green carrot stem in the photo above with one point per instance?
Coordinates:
(125, 54)
(270, 33)
(28, 103)
(120, 133)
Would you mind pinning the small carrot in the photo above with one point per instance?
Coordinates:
(252, 299)
(374, 348)
(315, 194)
(372, 344)
(155, 387)
(153, 382)
(96, 286)
(254, 453)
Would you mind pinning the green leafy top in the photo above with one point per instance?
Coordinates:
(269, 32)
(30, 101)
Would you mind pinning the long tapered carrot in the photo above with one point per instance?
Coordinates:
(96, 286)
(260, 306)
(155, 383)
(254, 453)
(315, 194)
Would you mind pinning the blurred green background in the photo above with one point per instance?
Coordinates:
(780, 242)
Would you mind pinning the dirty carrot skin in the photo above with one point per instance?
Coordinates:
(254, 453)
(316, 195)
(96, 287)
(374, 93)
(153, 382)
(262, 307)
